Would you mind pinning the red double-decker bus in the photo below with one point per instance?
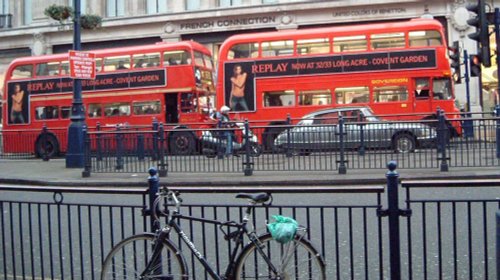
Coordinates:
(169, 82)
(394, 68)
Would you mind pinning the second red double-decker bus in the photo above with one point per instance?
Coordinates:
(394, 68)
(169, 82)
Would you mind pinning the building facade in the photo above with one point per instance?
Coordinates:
(26, 31)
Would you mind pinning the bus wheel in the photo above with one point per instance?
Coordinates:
(182, 143)
(404, 143)
(47, 144)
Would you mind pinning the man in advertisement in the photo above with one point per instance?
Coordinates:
(237, 100)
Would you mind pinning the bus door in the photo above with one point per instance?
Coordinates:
(422, 102)
(171, 108)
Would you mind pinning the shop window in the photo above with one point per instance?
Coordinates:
(390, 94)
(115, 8)
(156, 6)
(117, 63)
(350, 44)
(442, 89)
(315, 97)
(22, 72)
(176, 58)
(281, 98)
(146, 60)
(229, 3)
(388, 40)
(350, 95)
(47, 112)
(313, 46)
(47, 69)
(146, 108)
(193, 4)
(277, 48)
(117, 109)
(425, 38)
(65, 112)
(94, 110)
(246, 50)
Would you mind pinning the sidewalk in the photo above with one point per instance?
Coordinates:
(54, 173)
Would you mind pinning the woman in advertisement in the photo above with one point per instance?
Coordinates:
(16, 108)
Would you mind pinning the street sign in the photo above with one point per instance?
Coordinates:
(82, 65)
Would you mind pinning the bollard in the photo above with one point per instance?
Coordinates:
(154, 187)
(87, 155)
(162, 164)
(98, 142)
(119, 149)
(393, 212)
(288, 136)
(154, 154)
(342, 161)
(45, 134)
(497, 115)
(248, 164)
(361, 150)
(442, 135)
(140, 147)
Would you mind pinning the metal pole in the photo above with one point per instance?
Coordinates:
(342, 166)
(467, 79)
(248, 165)
(393, 212)
(75, 154)
(154, 187)
(497, 38)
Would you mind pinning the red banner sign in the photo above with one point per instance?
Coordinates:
(82, 65)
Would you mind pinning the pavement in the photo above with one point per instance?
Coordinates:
(54, 173)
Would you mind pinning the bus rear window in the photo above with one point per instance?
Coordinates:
(47, 69)
(22, 72)
(277, 48)
(350, 44)
(388, 40)
(146, 60)
(425, 38)
(390, 94)
(176, 58)
(315, 97)
(116, 63)
(279, 98)
(349, 95)
(313, 46)
(246, 50)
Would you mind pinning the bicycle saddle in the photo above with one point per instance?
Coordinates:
(257, 197)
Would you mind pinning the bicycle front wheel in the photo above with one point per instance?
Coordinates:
(129, 259)
(297, 260)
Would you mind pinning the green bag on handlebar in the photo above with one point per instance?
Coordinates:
(284, 229)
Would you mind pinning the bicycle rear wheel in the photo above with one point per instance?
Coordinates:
(297, 260)
(129, 258)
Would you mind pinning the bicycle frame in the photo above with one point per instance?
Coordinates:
(237, 235)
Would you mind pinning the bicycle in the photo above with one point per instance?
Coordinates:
(155, 256)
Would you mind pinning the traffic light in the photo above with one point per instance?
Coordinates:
(455, 62)
(475, 65)
(482, 36)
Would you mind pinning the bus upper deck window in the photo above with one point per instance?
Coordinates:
(198, 59)
(245, 50)
(98, 64)
(208, 61)
(277, 48)
(179, 57)
(313, 46)
(388, 40)
(146, 60)
(65, 68)
(350, 44)
(117, 63)
(47, 69)
(22, 72)
(425, 38)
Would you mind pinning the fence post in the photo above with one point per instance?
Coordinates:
(98, 142)
(87, 154)
(361, 150)
(45, 155)
(393, 212)
(442, 135)
(154, 154)
(498, 243)
(248, 165)
(288, 134)
(220, 135)
(342, 161)
(140, 147)
(154, 187)
(497, 115)
(163, 166)
(119, 149)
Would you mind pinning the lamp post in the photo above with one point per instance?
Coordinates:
(75, 151)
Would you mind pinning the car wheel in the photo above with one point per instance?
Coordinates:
(404, 143)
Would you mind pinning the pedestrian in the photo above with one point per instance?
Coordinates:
(226, 123)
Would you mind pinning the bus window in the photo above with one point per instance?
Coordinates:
(98, 65)
(315, 97)
(65, 68)
(350, 44)
(198, 59)
(279, 98)
(422, 88)
(176, 58)
(348, 95)
(388, 40)
(47, 113)
(22, 72)
(117, 109)
(313, 46)
(117, 63)
(146, 60)
(442, 89)
(425, 38)
(146, 108)
(246, 50)
(277, 48)
(390, 93)
(94, 110)
(208, 61)
(188, 103)
(65, 112)
(47, 69)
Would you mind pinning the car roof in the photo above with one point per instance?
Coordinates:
(331, 110)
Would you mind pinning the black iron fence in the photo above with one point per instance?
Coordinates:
(329, 144)
(441, 230)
